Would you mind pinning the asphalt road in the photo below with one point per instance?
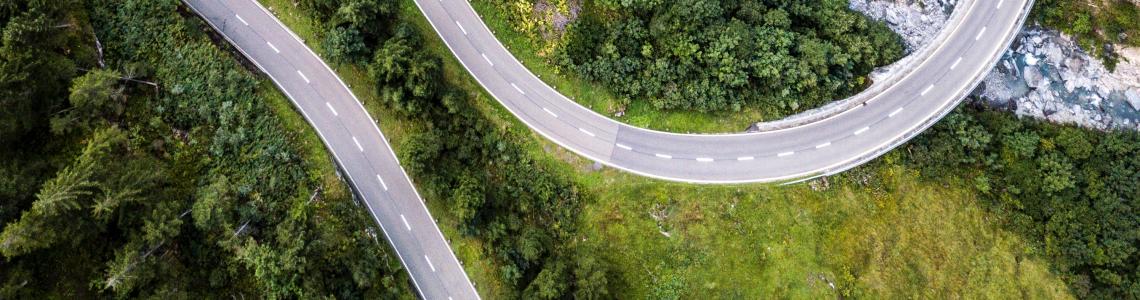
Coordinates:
(353, 138)
(888, 119)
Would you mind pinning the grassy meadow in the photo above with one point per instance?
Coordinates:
(878, 231)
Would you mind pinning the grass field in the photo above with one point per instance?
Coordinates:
(877, 232)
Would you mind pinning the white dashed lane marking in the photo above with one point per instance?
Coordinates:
(627, 148)
(663, 156)
(893, 113)
(406, 225)
(303, 76)
(429, 263)
(517, 88)
(745, 158)
(862, 130)
(332, 109)
(587, 132)
(242, 20)
(381, 180)
(980, 33)
(704, 159)
(927, 90)
(487, 59)
(273, 47)
(358, 146)
(824, 145)
(461, 27)
(789, 153)
(552, 114)
(956, 62)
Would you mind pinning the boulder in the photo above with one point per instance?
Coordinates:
(1032, 76)
(1132, 96)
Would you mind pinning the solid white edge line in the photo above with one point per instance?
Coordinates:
(332, 109)
(375, 126)
(406, 225)
(382, 184)
(591, 134)
(358, 146)
(663, 156)
(862, 130)
(927, 90)
(309, 119)
(745, 158)
(429, 263)
(517, 88)
(969, 11)
(627, 148)
(705, 159)
(893, 113)
(946, 108)
(303, 76)
(980, 33)
(956, 62)
(241, 19)
(789, 153)
(824, 145)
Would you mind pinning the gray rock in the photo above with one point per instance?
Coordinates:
(917, 21)
(1032, 76)
(1045, 75)
(1031, 60)
(1132, 96)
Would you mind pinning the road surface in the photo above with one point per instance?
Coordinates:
(353, 138)
(887, 119)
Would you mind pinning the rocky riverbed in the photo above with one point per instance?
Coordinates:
(917, 22)
(1044, 74)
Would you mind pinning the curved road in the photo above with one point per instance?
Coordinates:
(885, 120)
(352, 137)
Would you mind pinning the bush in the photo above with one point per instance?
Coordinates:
(184, 191)
(712, 55)
(1072, 189)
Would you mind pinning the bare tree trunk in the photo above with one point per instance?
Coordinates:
(314, 196)
(150, 83)
(99, 48)
(114, 280)
(241, 229)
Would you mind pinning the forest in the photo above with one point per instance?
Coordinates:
(1097, 25)
(523, 213)
(140, 160)
(723, 55)
(1072, 190)
(141, 155)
